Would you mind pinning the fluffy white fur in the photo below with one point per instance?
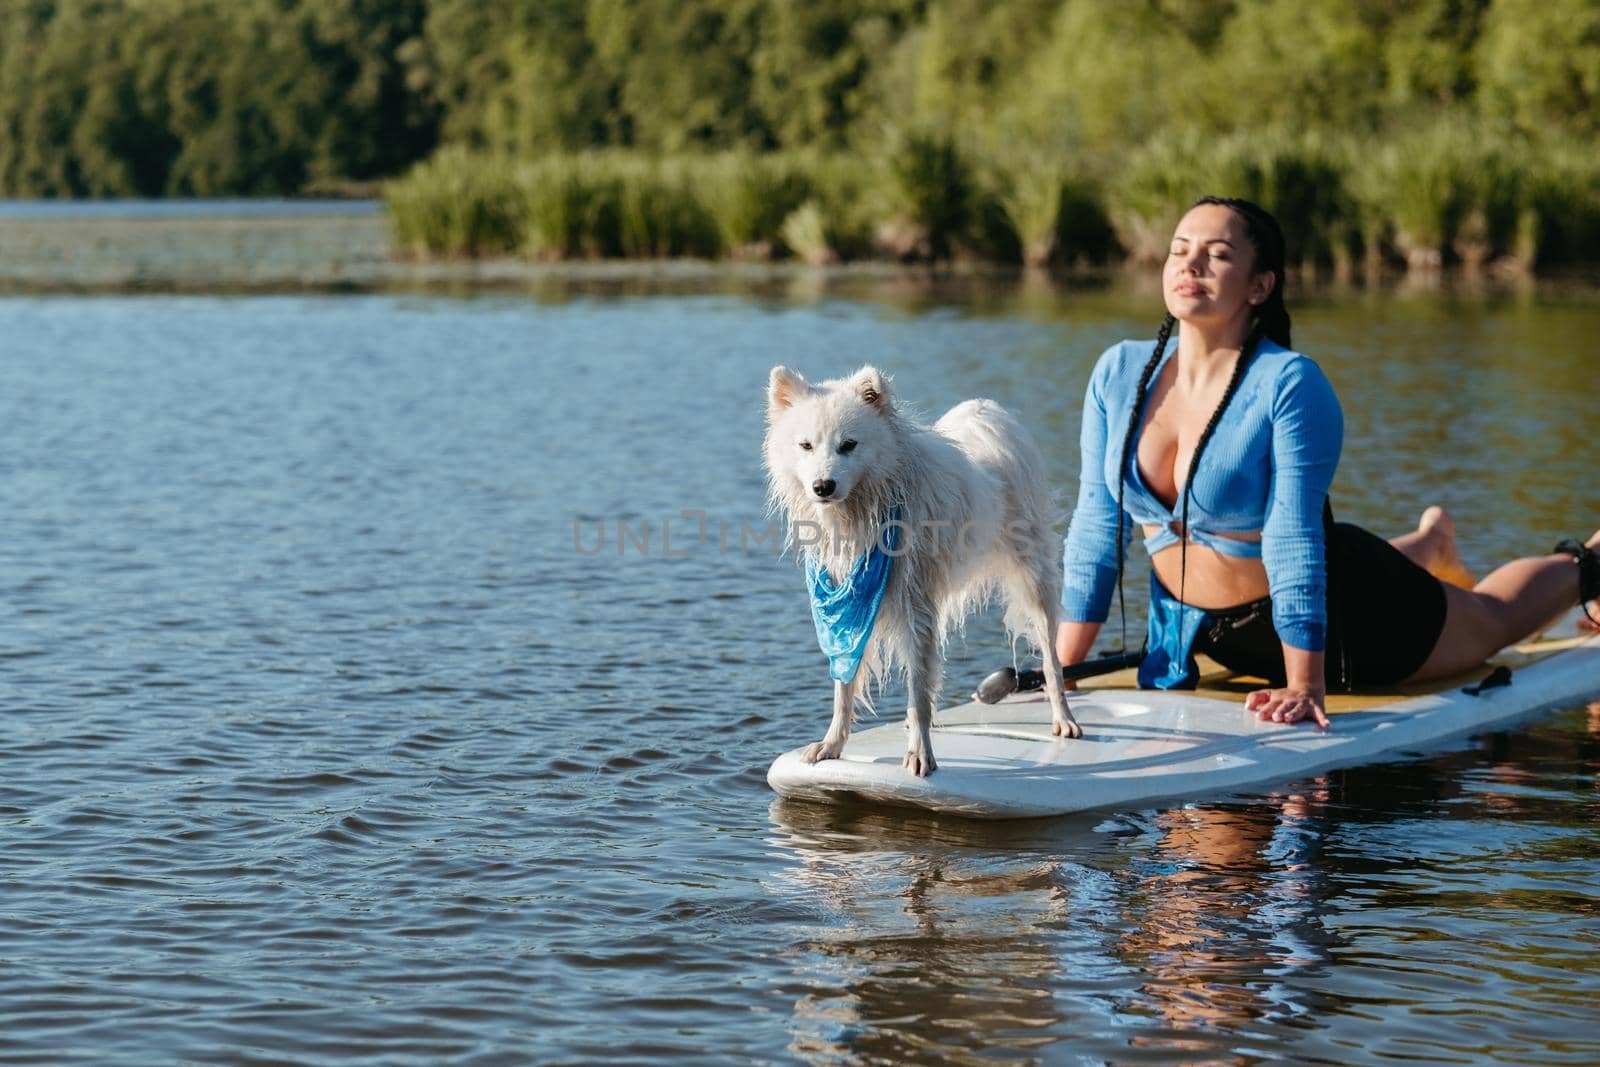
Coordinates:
(972, 493)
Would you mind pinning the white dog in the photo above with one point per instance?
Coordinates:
(971, 506)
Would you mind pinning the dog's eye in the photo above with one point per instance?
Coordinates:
(805, 446)
(847, 447)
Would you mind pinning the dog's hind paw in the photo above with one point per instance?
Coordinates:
(1066, 728)
(821, 750)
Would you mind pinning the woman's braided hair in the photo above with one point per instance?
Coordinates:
(1269, 319)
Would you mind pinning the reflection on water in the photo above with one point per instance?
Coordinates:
(320, 740)
(959, 950)
(180, 208)
(1224, 933)
(926, 955)
(1224, 917)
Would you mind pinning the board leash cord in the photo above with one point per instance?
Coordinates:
(1007, 680)
(1500, 676)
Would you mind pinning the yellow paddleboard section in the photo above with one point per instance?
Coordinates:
(1219, 682)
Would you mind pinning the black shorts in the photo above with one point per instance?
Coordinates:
(1385, 614)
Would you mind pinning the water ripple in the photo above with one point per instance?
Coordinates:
(322, 741)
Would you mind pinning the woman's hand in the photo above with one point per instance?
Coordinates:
(1290, 704)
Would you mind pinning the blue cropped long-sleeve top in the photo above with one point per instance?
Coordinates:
(1268, 468)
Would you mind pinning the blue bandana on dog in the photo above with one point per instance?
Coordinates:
(844, 615)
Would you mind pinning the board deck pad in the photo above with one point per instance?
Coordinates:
(1001, 761)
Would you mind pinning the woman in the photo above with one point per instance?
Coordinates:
(1248, 565)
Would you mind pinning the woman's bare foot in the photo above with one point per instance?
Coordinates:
(1436, 540)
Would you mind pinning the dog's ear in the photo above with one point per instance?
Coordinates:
(872, 386)
(784, 387)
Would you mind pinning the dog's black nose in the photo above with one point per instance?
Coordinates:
(823, 487)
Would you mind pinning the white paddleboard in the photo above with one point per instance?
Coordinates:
(999, 761)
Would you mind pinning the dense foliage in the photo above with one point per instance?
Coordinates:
(248, 96)
(209, 97)
(981, 121)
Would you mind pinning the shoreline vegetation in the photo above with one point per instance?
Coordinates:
(324, 250)
(1408, 136)
(1354, 208)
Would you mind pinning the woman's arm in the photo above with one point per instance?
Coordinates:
(1073, 642)
(1089, 564)
(1307, 435)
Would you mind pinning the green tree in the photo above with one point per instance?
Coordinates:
(683, 70)
(519, 77)
(1427, 52)
(1288, 63)
(1539, 64)
(52, 95)
(1112, 74)
(811, 72)
(354, 98)
(969, 56)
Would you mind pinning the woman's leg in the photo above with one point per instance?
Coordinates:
(1514, 601)
(1432, 546)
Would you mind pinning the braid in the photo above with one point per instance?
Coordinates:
(1251, 343)
(1269, 321)
(1272, 318)
(1122, 458)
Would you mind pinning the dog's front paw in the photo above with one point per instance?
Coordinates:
(820, 751)
(919, 762)
(1066, 727)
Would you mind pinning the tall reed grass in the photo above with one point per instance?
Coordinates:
(458, 204)
(1419, 199)
(932, 183)
(1051, 205)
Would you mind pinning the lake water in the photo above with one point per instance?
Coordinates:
(329, 734)
(181, 208)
